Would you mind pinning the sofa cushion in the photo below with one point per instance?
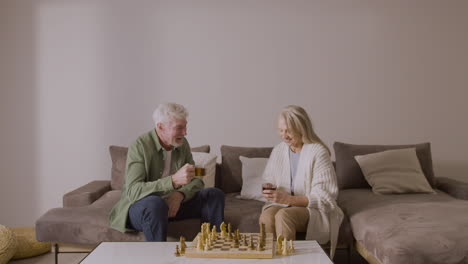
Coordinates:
(119, 159)
(242, 214)
(208, 162)
(408, 228)
(90, 224)
(252, 172)
(455, 188)
(349, 174)
(394, 171)
(203, 148)
(231, 167)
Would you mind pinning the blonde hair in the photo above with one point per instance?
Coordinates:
(299, 124)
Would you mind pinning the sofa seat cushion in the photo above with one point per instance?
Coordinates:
(242, 214)
(90, 224)
(408, 228)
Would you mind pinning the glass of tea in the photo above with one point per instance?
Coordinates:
(268, 186)
(200, 171)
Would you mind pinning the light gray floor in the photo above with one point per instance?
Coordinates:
(65, 258)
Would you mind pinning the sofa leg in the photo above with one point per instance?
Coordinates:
(56, 249)
(349, 253)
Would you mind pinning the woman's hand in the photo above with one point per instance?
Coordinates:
(277, 196)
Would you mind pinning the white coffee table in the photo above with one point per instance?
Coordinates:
(163, 252)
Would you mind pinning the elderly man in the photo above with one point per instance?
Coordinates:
(159, 180)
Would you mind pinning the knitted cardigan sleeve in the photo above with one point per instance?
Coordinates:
(324, 188)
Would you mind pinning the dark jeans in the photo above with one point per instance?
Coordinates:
(149, 215)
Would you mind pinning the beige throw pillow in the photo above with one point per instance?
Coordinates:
(394, 171)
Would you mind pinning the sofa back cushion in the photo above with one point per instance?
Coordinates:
(119, 159)
(230, 179)
(349, 174)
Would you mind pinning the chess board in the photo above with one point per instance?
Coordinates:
(222, 248)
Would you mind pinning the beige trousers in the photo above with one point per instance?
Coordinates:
(285, 220)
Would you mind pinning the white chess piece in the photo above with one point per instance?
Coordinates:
(285, 248)
(279, 245)
(291, 246)
(199, 244)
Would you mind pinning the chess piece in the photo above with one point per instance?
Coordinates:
(251, 245)
(177, 253)
(213, 232)
(279, 245)
(229, 228)
(205, 231)
(199, 244)
(244, 241)
(235, 243)
(264, 232)
(183, 246)
(207, 245)
(202, 231)
(291, 246)
(223, 230)
(208, 228)
(260, 245)
(285, 248)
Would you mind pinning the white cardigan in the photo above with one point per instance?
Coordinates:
(316, 179)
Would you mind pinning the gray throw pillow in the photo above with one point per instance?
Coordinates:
(119, 160)
(349, 174)
(231, 166)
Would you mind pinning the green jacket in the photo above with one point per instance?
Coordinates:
(144, 168)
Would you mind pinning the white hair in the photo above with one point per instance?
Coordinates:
(164, 112)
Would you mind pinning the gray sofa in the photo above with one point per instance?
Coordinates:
(83, 219)
(403, 228)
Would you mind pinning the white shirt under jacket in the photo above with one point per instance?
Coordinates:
(316, 179)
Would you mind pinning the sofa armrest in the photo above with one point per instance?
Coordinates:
(86, 194)
(455, 188)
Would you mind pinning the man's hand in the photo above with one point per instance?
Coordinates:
(173, 202)
(277, 196)
(183, 176)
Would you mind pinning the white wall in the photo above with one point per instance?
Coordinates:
(77, 76)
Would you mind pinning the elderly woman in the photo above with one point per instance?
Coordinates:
(306, 188)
